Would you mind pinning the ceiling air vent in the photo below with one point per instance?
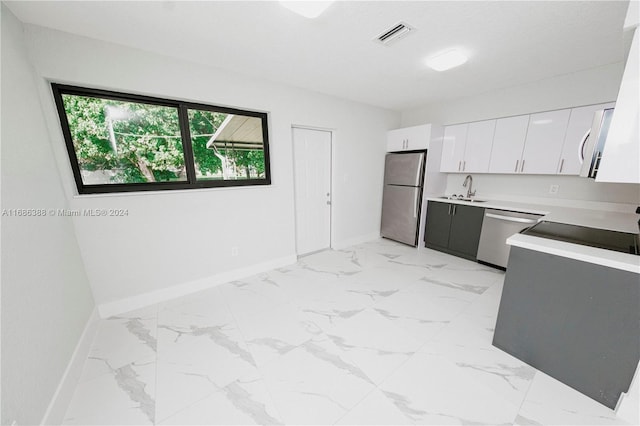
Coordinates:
(394, 33)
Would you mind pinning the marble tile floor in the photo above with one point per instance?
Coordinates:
(379, 333)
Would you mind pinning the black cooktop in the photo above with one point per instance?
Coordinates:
(611, 240)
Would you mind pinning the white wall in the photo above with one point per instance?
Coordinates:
(176, 237)
(593, 86)
(46, 299)
(587, 87)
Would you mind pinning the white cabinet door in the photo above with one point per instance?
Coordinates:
(477, 151)
(543, 145)
(508, 144)
(418, 137)
(396, 140)
(621, 155)
(453, 146)
(580, 122)
(409, 138)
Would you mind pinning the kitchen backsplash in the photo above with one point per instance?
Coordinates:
(572, 191)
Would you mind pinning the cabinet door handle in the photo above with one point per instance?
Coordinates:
(522, 167)
(459, 164)
(464, 166)
(561, 164)
(454, 209)
(449, 211)
(516, 169)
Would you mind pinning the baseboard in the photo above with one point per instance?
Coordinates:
(339, 245)
(628, 407)
(62, 397)
(140, 301)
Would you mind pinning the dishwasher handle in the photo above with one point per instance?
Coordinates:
(510, 218)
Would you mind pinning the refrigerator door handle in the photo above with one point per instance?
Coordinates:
(419, 171)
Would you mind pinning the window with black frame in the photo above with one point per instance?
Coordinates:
(121, 142)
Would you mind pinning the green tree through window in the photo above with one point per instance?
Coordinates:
(120, 142)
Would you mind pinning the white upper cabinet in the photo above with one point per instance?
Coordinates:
(409, 138)
(467, 147)
(396, 140)
(545, 137)
(621, 155)
(453, 145)
(580, 122)
(508, 144)
(477, 151)
(543, 143)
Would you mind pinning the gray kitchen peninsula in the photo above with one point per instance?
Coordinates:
(572, 309)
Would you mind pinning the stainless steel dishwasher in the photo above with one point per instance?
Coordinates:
(497, 226)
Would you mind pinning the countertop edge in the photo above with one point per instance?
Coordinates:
(608, 258)
(497, 204)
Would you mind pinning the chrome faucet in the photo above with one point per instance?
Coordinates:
(469, 179)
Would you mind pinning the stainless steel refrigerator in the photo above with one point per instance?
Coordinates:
(402, 196)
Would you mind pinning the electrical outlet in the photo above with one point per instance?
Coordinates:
(234, 251)
(553, 189)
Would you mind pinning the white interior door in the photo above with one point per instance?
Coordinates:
(312, 175)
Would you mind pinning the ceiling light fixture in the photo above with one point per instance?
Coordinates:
(447, 60)
(308, 9)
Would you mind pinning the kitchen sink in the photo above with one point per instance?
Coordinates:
(469, 200)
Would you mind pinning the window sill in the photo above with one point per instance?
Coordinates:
(173, 191)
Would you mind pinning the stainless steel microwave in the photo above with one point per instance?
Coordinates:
(590, 152)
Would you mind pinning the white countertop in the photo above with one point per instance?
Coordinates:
(602, 219)
(610, 220)
(598, 256)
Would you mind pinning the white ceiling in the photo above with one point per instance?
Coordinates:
(510, 43)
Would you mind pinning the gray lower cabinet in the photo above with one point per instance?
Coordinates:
(453, 228)
(576, 321)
